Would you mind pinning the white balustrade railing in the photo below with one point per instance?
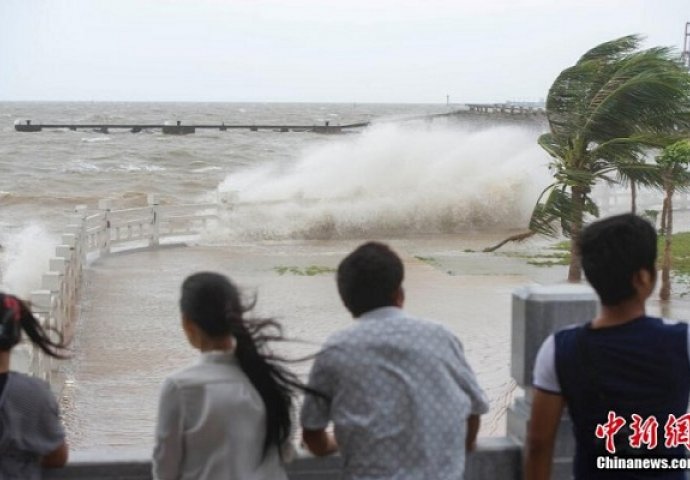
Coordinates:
(91, 235)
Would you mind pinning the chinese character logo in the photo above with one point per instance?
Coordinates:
(609, 430)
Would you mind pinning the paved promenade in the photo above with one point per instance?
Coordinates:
(129, 336)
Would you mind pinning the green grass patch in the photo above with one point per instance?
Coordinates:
(557, 254)
(545, 262)
(309, 271)
(429, 260)
(680, 252)
(560, 254)
(563, 246)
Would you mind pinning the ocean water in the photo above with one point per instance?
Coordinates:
(396, 178)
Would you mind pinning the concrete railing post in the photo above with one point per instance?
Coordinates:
(43, 307)
(81, 212)
(539, 311)
(105, 206)
(154, 203)
(67, 264)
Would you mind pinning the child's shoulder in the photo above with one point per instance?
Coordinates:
(569, 329)
(661, 323)
(669, 323)
(201, 372)
(22, 380)
(187, 373)
(641, 326)
(27, 390)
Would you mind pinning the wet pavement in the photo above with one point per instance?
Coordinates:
(129, 337)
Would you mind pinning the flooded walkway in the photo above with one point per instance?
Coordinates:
(129, 336)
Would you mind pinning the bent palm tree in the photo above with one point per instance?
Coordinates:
(604, 113)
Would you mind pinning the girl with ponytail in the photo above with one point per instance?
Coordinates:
(229, 416)
(31, 435)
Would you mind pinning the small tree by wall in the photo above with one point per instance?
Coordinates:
(673, 163)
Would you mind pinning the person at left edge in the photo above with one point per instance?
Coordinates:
(31, 435)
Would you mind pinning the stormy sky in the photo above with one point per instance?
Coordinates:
(310, 50)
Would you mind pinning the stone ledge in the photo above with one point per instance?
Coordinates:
(495, 458)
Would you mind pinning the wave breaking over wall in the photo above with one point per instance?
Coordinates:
(24, 259)
(392, 180)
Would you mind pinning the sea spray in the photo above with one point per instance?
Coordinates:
(392, 180)
(25, 258)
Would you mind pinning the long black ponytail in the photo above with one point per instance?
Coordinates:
(213, 302)
(16, 316)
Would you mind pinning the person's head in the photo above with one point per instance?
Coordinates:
(370, 277)
(15, 317)
(619, 258)
(211, 307)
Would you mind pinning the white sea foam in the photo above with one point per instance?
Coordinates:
(392, 180)
(95, 139)
(205, 169)
(25, 257)
(130, 167)
(78, 166)
(88, 167)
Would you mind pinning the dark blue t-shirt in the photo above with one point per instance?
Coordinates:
(3, 381)
(640, 367)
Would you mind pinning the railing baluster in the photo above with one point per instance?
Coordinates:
(153, 202)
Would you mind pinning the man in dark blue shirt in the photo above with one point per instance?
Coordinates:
(624, 376)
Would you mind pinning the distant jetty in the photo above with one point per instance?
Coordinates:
(178, 128)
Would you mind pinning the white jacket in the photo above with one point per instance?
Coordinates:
(212, 424)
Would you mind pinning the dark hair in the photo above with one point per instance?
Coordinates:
(212, 302)
(369, 277)
(16, 316)
(613, 250)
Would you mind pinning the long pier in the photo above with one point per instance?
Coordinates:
(178, 128)
(506, 108)
(181, 129)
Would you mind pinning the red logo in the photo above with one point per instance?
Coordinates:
(677, 431)
(609, 430)
(645, 431)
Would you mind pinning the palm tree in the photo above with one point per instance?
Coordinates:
(673, 163)
(604, 113)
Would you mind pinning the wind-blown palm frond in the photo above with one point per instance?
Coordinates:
(613, 49)
(633, 147)
(646, 174)
(548, 142)
(547, 214)
(605, 113)
(555, 211)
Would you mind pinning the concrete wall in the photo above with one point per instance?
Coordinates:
(495, 458)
